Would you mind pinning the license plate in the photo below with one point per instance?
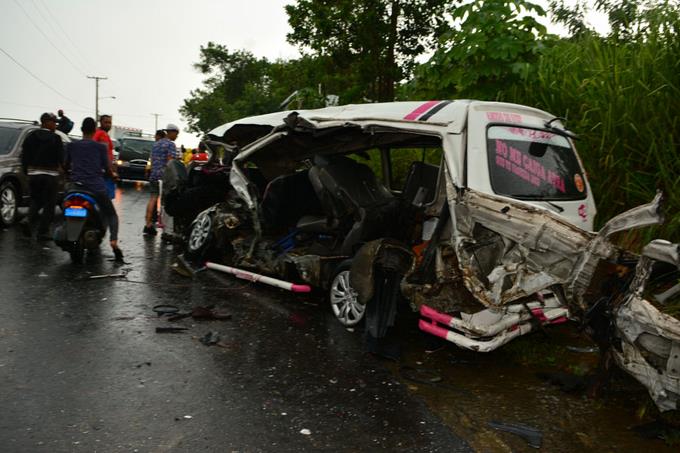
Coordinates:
(75, 212)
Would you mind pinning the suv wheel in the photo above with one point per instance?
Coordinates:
(8, 204)
(344, 301)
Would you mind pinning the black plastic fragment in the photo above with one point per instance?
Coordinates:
(172, 329)
(531, 435)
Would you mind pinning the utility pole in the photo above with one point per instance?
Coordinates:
(156, 115)
(96, 95)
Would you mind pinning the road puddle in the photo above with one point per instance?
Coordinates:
(517, 385)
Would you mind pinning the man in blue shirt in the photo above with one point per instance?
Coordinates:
(89, 162)
(163, 150)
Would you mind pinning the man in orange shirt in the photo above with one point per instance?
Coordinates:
(102, 136)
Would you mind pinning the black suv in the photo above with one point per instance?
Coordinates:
(134, 157)
(13, 183)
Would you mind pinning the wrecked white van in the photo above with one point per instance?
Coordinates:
(479, 214)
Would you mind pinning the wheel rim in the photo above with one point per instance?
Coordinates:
(346, 306)
(200, 232)
(8, 204)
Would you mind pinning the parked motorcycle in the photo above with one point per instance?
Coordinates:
(83, 227)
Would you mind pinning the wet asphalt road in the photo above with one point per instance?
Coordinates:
(82, 369)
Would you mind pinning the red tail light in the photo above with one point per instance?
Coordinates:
(77, 201)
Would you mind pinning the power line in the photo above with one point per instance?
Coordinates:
(74, 46)
(48, 39)
(41, 106)
(65, 33)
(49, 23)
(39, 79)
(114, 113)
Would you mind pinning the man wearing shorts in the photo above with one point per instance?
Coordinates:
(163, 150)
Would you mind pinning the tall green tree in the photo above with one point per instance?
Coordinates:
(490, 46)
(238, 84)
(370, 44)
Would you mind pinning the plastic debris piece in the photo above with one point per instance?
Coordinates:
(183, 267)
(587, 349)
(173, 329)
(119, 275)
(531, 435)
(210, 338)
(305, 432)
(188, 416)
(42, 275)
(164, 309)
(179, 315)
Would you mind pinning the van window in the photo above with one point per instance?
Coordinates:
(533, 164)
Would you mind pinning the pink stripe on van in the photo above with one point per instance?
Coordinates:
(420, 110)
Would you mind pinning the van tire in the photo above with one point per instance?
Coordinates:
(343, 299)
(200, 236)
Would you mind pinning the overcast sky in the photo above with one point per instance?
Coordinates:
(146, 48)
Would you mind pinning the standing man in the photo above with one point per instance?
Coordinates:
(102, 136)
(89, 163)
(163, 150)
(42, 157)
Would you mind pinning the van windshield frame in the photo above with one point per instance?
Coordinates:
(533, 164)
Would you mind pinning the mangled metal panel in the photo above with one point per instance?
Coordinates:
(649, 346)
(508, 249)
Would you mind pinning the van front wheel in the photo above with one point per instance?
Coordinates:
(344, 299)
